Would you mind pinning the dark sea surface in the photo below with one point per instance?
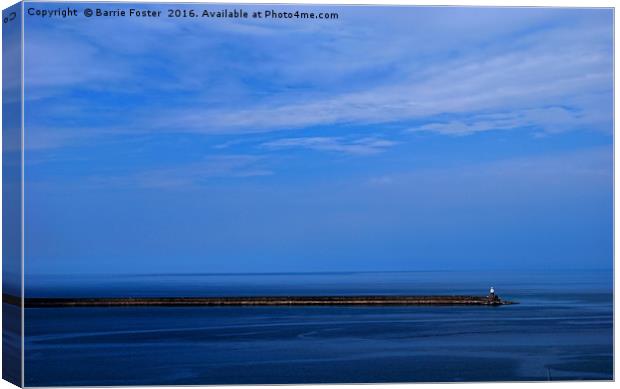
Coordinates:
(562, 329)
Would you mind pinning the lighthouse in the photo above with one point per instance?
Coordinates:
(492, 296)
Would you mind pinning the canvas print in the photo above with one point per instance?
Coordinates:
(214, 194)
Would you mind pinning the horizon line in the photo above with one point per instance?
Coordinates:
(325, 272)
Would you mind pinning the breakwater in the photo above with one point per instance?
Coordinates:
(375, 300)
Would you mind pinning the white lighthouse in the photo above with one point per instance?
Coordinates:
(492, 296)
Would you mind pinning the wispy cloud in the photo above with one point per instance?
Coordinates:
(548, 120)
(361, 146)
(544, 69)
(554, 80)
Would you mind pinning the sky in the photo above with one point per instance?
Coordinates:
(393, 138)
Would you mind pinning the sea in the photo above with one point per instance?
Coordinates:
(561, 329)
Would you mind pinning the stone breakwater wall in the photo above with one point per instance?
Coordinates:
(255, 301)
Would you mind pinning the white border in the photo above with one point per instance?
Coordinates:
(489, 3)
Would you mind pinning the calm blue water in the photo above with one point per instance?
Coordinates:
(561, 330)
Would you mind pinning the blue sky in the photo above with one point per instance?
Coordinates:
(393, 138)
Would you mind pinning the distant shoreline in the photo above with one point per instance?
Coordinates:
(365, 300)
